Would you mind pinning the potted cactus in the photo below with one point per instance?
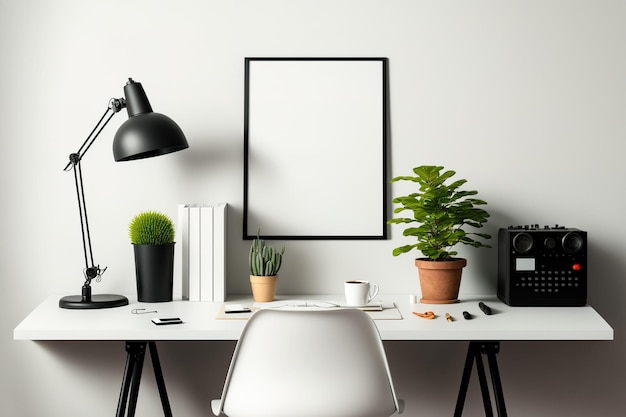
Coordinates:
(152, 235)
(265, 262)
(443, 213)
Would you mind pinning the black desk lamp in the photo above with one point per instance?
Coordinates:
(143, 135)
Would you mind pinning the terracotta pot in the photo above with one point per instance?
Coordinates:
(263, 288)
(440, 280)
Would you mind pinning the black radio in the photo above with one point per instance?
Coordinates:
(544, 266)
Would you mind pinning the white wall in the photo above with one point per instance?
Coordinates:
(525, 99)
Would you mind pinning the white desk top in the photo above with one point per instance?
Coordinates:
(49, 322)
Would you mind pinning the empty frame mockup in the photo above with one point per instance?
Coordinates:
(314, 148)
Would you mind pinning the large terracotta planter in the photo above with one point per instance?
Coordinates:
(263, 288)
(440, 280)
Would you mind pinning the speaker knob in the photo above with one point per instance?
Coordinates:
(522, 242)
(549, 243)
(572, 243)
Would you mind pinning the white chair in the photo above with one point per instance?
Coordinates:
(313, 363)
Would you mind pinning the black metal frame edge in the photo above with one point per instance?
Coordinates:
(385, 144)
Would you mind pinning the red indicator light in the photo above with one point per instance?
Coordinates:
(576, 267)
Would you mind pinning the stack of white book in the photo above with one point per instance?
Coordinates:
(200, 261)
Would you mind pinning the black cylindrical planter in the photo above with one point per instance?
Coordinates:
(154, 268)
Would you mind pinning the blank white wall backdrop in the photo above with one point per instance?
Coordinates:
(524, 99)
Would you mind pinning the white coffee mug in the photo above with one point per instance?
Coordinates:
(359, 293)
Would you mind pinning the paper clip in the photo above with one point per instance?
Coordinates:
(142, 311)
(429, 315)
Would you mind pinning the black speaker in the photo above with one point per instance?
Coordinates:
(542, 266)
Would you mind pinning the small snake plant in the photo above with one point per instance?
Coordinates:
(264, 260)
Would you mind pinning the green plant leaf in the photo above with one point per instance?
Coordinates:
(442, 212)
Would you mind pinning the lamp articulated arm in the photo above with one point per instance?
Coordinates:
(115, 105)
(91, 270)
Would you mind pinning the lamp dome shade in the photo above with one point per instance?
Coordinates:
(147, 134)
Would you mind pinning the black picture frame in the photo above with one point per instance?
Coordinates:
(315, 139)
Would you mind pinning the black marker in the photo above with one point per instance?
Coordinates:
(485, 309)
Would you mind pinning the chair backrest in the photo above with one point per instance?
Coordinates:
(320, 363)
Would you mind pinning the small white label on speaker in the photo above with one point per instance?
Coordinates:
(524, 264)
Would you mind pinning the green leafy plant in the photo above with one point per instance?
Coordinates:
(442, 212)
(264, 260)
(151, 228)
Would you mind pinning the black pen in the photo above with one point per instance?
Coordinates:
(485, 309)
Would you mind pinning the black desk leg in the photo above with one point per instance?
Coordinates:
(474, 352)
(156, 365)
(491, 349)
(136, 352)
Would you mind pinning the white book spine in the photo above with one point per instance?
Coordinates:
(206, 252)
(219, 251)
(181, 255)
(194, 252)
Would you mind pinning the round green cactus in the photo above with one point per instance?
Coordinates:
(151, 228)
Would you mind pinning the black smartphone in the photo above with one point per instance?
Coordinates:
(172, 320)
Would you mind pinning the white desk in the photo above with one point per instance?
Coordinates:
(49, 322)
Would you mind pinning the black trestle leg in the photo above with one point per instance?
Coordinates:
(135, 354)
(482, 379)
(156, 365)
(474, 352)
(465, 379)
(491, 350)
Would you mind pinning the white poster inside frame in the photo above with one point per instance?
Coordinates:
(314, 148)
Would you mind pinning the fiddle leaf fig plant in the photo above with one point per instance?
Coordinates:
(151, 228)
(264, 260)
(442, 213)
